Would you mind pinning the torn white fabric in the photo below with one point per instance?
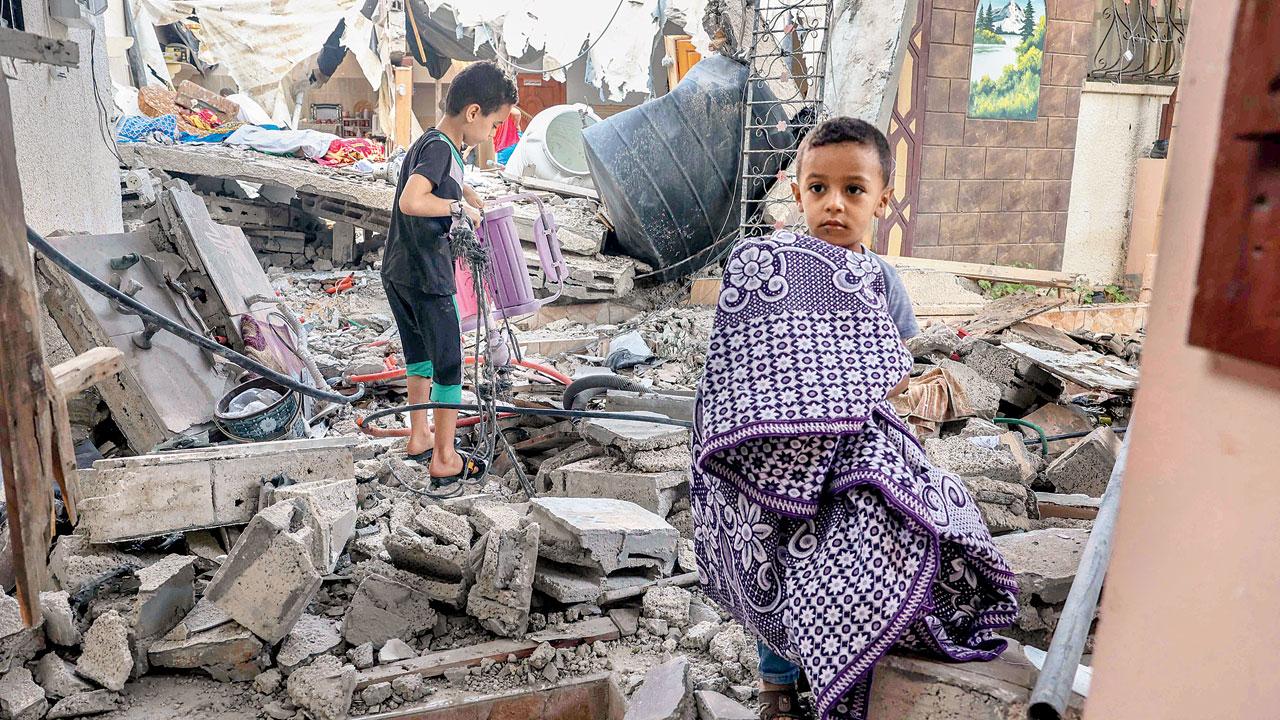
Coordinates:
(144, 32)
(313, 143)
(250, 111)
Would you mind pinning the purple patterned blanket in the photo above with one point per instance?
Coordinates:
(819, 523)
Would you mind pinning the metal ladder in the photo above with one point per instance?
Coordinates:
(786, 56)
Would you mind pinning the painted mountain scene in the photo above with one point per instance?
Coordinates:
(1008, 50)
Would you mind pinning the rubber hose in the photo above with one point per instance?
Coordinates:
(507, 409)
(181, 331)
(1044, 444)
(580, 391)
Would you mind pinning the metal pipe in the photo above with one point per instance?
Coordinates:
(1052, 693)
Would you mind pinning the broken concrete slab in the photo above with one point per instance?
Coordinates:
(626, 619)
(149, 495)
(714, 706)
(980, 394)
(488, 514)
(668, 603)
(310, 636)
(1074, 507)
(606, 477)
(57, 678)
(60, 624)
(633, 436)
(1044, 561)
(666, 694)
(1003, 504)
(331, 513)
(323, 688)
(453, 594)
(664, 460)
(393, 650)
(425, 556)
(20, 697)
(96, 702)
(226, 645)
(269, 576)
(204, 616)
(604, 534)
(75, 563)
(500, 598)
(382, 609)
(1086, 467)
(18, 643)
(106, 657)
(967, 458)
(992, 362)
(444, 526)
(572, 585)
(1059, 419)
(166, 594)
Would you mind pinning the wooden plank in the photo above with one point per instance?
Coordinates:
(994, 273)
(30, 447)
(1007, 311)
(434, 664)
(558, 188)
(37, 48)
(1086, 369)
(87, 369)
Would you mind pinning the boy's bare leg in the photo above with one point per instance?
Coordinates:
(445, 461)
(420, 427)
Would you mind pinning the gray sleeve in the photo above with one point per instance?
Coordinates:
(899, 303)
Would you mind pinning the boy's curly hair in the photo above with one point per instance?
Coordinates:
(484, 84)
(848, 130)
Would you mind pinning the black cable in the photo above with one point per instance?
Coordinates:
(182, 332)
(104, 118)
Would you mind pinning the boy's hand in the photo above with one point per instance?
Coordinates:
(472, 214)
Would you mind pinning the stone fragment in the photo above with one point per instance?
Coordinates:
(56, 677)
(445, 526)
(362, 656)
(106, 657)
(668, 603)
(700, 612)
(991, 362)
(489, 514)
(542, 655)
(20, 697)
(1086, 467)
(227, 644)
(270, 575)
(732, 645)
(323, 688)
(1044, 562)
(939, 339)
(395, 650)
(425, 556)
(607, 477)
(1003, 504)
(330, 513)
(166, 594)
(666, 694)
(408, 687)
(982, 394)
(59, 621)
(504, 583)
(632, 436)
(700, 636)
(714, 706)
(75, 563)
(96, 702)
(453, 593)
(376, 694)
(686, 558)
(967, 458)
(607, 535)
(309, 637)
(627, 620)
(382, 609)
(268, 682)
(568, 584)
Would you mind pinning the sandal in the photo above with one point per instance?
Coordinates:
(472, 468)
(783, 705)
(424, 457)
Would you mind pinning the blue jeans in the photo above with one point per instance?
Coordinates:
(776, 669)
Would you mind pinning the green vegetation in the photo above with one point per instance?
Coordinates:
(983, 36)
(1016, 94)
(995, 291)
(1029, 22)
(986, 21)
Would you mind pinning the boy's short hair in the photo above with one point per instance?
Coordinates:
(848, 130)
(483, 84)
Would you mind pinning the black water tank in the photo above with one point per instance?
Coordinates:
(668, 170)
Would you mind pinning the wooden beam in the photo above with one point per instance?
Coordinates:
(38, 48)
(403, 90)
(559, 188)
(32, 446)
(86, 370)
(994, 273)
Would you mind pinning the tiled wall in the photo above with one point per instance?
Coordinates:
(996, 191)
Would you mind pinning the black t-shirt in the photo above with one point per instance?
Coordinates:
(418, 253)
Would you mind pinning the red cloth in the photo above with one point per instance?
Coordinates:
(508, 134)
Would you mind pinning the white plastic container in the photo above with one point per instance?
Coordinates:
(551, 147)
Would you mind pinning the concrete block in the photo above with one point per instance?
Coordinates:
(1044, 561)
(633, 436)
(88, 703)
(425, 556)
(149, 495)
(331, 514)
(106, 657)
(166, 594)
(991, 362)
(627, 620)
(60, 624)
(444, 526)
(966, 458)
(20, 697)
(57, 678)
(714, 706)
(504, 583)
(230, 644)
(453, 594)
(488, 514)
(75, 562)
(571, 585)
(668, 603)
(666, 694)
(395, 650)
(605, 477)
(269, 576)
(323, 688)
(983, 395)
(1086, 467)
(1003, 504)
(18, 643)
(382, 609)
(604, 534)
(309, 637)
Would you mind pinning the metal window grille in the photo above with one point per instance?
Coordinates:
(1140, 41)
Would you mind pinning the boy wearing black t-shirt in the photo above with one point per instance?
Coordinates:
(417, 267)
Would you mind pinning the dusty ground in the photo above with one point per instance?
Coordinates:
(167, 697)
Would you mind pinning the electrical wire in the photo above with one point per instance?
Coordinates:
(104, 118)
(590, 46)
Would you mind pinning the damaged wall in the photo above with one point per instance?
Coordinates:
(69, 174)
(863, 34)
